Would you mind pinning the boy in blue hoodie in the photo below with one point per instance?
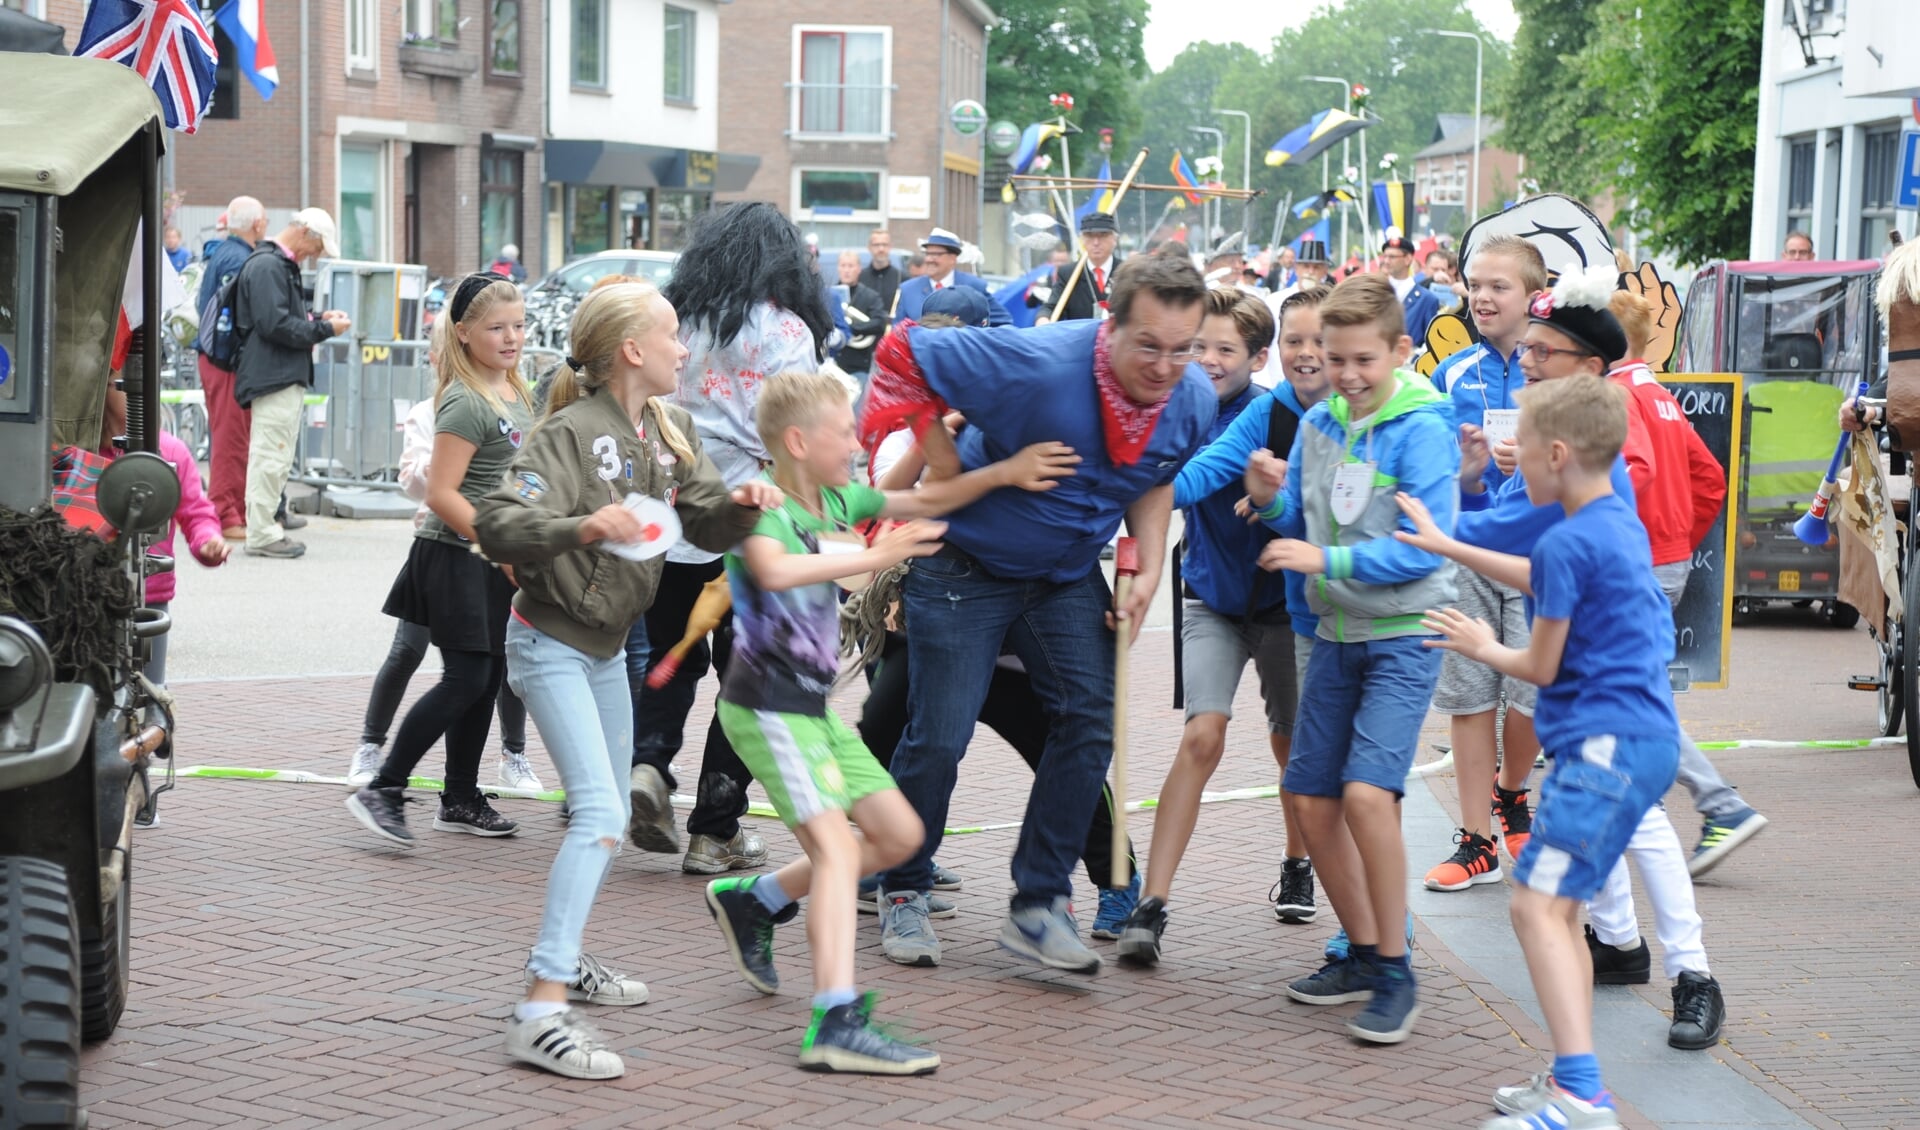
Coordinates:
(1370, 678)
(1233, 612)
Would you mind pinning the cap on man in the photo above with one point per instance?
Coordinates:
(942, 249)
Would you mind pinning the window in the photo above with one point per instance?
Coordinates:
(1879, 182)
(590, 43)
(226, 77)
(503, 36)
(838, 190)
(592, 228)
(500, 177)
(362, 187)
(678, 66)
(1800, 184)
(432, 21)
(362, 29)
(843, 82)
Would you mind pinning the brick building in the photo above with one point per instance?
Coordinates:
(1443, 172)
(850, 114)
(422, 122)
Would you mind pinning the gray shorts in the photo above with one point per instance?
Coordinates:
(1467, 687)
(1214, 651)
(1302, 655)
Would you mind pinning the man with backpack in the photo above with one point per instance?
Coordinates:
(227, 423)
(274, 364)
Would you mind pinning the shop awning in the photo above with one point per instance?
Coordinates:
(626, 164)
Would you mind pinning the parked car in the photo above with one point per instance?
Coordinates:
(1804, 335)
(550, 301)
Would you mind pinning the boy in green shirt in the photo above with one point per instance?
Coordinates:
(773, 702)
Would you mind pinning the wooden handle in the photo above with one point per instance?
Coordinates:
(1122, 589)
(1080, 264)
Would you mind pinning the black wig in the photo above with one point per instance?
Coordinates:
(738, 256)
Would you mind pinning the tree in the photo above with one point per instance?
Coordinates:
(1546, 105)
(1091, 49)
(1688, 77)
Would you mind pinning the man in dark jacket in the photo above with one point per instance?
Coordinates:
(1098, 235)
(227, 423)
(275, 368)
(880, 274)
(867, 319)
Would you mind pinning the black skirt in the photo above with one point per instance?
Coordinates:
(460, 599)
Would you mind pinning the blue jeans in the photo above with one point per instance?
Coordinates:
(957, 617)
(585, 716)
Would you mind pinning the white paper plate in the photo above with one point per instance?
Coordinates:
(660, 529)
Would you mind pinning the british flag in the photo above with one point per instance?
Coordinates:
(165, 42)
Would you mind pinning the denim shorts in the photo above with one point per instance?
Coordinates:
(1361, 710)
(1590, 803)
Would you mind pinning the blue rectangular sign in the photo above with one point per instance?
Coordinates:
(1909, 194)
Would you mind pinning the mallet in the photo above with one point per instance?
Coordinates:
(1126, 563)
(714, 602)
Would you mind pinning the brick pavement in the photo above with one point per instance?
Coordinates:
(289, 973)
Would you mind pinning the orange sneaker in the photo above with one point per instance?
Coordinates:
(1514, 818)
(1474, 862)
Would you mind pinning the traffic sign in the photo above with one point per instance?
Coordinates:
(1909, 194)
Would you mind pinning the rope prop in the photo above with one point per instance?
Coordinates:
(75, 591)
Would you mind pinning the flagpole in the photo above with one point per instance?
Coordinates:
(1066, 158)
(1280, 219)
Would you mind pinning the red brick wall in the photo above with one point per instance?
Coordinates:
(258, 154)
(754, 107)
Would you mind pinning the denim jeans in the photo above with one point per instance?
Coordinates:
(585, 717)
(957, 617)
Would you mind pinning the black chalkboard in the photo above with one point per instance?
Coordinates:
(1703, 636)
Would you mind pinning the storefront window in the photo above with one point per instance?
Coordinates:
(676, 213)
(636, 218)
(592, 220)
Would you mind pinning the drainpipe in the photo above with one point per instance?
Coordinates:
(940, 118)
(306, 115)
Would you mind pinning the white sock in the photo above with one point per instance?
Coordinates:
(1628, 947)
(536, 1010)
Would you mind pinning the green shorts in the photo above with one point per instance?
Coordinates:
(809, 764)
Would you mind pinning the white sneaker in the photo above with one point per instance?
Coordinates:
(517, 773)
(366, 764)
(565, 1044)
(596, 984)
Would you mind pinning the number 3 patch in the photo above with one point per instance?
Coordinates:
(609, 453)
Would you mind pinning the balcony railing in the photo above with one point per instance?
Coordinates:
(840, 109)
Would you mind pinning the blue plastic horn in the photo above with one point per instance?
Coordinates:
(1812, 528)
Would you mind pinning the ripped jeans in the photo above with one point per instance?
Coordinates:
(584, 712)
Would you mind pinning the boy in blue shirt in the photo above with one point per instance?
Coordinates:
(1600, 640)
(1370, 678)
(1233, 613)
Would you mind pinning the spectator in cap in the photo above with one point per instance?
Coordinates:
(942, 249)
(1421, 305)
(275, 368)
(1098, 236)
(508, 265)
(966, 306)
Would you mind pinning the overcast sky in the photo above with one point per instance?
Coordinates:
(1256, 22)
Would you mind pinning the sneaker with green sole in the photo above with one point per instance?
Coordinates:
(846, 1039)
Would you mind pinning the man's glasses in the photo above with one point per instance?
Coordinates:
(1544, 354)
(1153, 354)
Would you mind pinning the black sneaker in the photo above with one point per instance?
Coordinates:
(1615, 966)
(474, 816)
(1698, 1011)
(1513, 818)
(748, 929)
(1293, 895)
(846, 1039)
(383, 812)
(1140, 934)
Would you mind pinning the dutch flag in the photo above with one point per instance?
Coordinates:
(246, 25)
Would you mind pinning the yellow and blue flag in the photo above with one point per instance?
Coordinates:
(1101, 199)
(1314, 138)
(1393, 203)
(1035, 135)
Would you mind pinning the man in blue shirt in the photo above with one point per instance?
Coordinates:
(1025, 571)
(942, 249)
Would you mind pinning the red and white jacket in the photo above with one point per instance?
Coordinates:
(1679, 485)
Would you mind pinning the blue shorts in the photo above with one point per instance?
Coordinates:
(1590, 803)
(1361, 709)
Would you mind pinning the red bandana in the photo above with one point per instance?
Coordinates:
(1128, 425)
(897, 392)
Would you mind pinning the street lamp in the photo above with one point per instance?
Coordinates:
(1346, 162)
(1219, 145)
(1246, 154)
(1479, 53)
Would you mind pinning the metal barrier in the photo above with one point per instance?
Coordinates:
(352, 435)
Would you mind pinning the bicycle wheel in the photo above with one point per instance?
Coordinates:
(1892, 699)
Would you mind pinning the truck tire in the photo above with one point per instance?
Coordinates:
(39, 996)
(105, 968)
